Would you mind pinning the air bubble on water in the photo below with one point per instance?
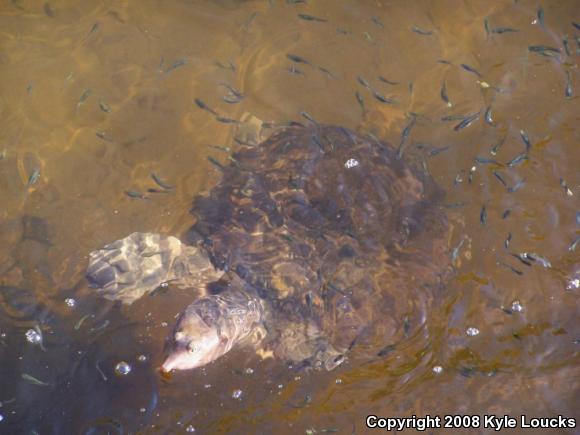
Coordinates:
(1, 417)
(573, 284)
(280, 386)
(517, 306)
(472, 331)
(249, 371)
(142, 358)
(351, 163)
(122, 368)
(338, 381)
(207, 386)
(437, 370)
(190, 428)
(70, 302)
(142, 410)
(32, 336)
(237, 394)
(164, 324)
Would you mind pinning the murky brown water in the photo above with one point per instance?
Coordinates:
(95, 96)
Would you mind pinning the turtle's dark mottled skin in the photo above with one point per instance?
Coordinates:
(308, 239)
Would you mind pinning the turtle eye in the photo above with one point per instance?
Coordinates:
(192, 348)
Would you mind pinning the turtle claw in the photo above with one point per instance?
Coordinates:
(128, 268)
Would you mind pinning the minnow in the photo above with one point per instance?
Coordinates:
(452, 118)
(500, 178)
(327, 72)
(513, 269)
(81, 321)
(444, 61)
(154, 190)
(404, 135)
(34, 177)
(34, 381)
(312, 18)
(84, 96)
(368, 36)
(488, 118)
(575, 243)
(387, 81)
(484, 161)
(377, 22)
(229, 65)
(565, 187)
(456, 251)
(298, 59)
(382, 99)
(486, 26)
(517, 186)
(508, 240)
(434, 151)
(566, 46)
(532, 256)
(500, 30)
(309, 117)
(494, 150)
(483, 215)
(467, 121)
(226, 120)
(544, 50)
(216, 163)
(363, 82)
(517, 159)
(361, 102)
(420, 31)
(568, 90)
(176, 65)
(522, 259)
(105, 108)
(540, 16)
(386, 350)
(160, 182)
(576, 25)
(224, 149)
(506, 213)
(204, 106)
(444, 95)
(316, 140)
(526, 140)
(134, 194)
(471, 70)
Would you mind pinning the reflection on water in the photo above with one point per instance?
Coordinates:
(96, 96)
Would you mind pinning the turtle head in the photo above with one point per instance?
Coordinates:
(208, 329)
(195, 341)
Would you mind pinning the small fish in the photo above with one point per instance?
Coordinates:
(104, 107)
(386, 350)
(404, 136)
(566, 46)
(309, 117)
(467, 121)
(540, 16)
(434, 151)
(298, 59)
(517, 159)
(576, 25)
(578, 218)
(522, 259)
(568, 92)
(176, 65)
(500, 178)
(517, 186)
(327, 72)
(84, 96)
(410, 88)
(471, 70)
(488, 118)
(342, 31)
(316, 140)
(154, 190)
(508, 240)
(420, 31)
(483, 215)
(378, 22)
(544, 262)
(486, 26)
(387, 81)
(34, 381)
(452, 118)
(229, 65)
(363, 82)
(444, 95)
(81, 321)
(500, 30)
(382, 99)
(216, 163)
(494, 150)
(311, 18)
(544, 50)
(160, 182)
(513, 269)
(575, 243)
(233, 96)
(226, 120)
(444, 61)
(484, 161)
(456, 251)
(368, 36)
(565, 187)
(134, 194)
(204, 106)
(93, 29)
(526, 140)
(48, 10)
(34, 177)
(361, 102)
(224, 149)
(506, 213)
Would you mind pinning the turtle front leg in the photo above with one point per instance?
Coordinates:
(131, 267)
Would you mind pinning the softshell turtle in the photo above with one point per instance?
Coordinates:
(297, 249)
